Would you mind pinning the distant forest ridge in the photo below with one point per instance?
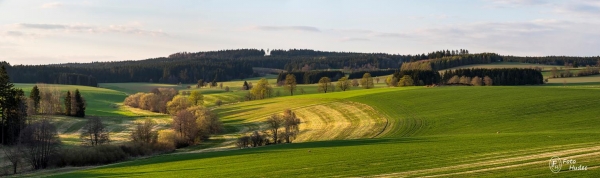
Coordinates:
(224, 65)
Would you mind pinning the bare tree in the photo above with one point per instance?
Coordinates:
(290, 83)
(367, 81)
(454, 80)
(476, 81)
(257, 139)
(50, 100)
(40, 142)
(355, 83)
(134, 100)
(291, 125)
(143, 132)
(14, 156)
(488, 81)
(377, 79)
(243, 142)
(149, 101)
(325, 85)
(184, 123)
(94, 132)
(208, 122)
(554, 72)
(465, 80)
(274, 122)
(343, 84)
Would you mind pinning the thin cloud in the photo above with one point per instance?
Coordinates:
(350, 39)
(18, 34)
(287, 28)
(580, 8)
(14, 33)
(390, 35)
(52, 5)
(43, 26)
(520, 2)
(124, 29)
(516, 3)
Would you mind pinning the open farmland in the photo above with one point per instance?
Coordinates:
(431, 132)
(104, 103)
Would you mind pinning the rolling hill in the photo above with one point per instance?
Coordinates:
(444, 131)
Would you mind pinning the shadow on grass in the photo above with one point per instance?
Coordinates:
(167, 159)
(574, 84)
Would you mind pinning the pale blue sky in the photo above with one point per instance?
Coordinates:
(43, 32)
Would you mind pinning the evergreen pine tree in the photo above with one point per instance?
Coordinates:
(80, 103)
(35, 96)
(68, 104)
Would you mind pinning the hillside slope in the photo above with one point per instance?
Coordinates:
(447, 131)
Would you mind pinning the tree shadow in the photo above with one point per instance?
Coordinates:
(166, 159)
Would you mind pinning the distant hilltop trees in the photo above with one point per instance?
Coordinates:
(225, 65)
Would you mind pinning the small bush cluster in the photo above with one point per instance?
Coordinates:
(106, 154)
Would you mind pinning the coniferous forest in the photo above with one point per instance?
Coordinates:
(224, 65)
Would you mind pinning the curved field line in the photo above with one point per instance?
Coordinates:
(533, 159)
(339, 120)
(333, 120)
(308, 127)
(337, 124)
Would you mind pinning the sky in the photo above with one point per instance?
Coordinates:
(61, 31)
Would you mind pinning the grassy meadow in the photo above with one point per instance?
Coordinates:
(413, 131)
(104, 103)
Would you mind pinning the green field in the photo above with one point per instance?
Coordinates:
(100, 101)
(104, 103)
(444, 131)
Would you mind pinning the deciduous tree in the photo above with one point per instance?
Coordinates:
(184, 123)
(367, 81)
(476, 81)
(291, 125)
(262, 89)
(39, 143)
(274, 123)
(196, 98)
(325, 85)
(150, 101)
(208, 122)
(355, 83)
(488, 81)
(290, 83)
(406, 81)
(454, 80)
(94, 132)
(343, 84)
(143, 132)
(178, 103)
